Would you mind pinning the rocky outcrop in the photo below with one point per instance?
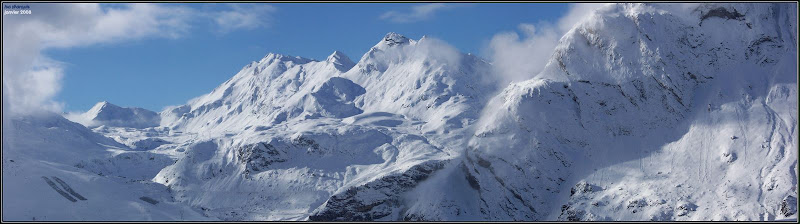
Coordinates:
(377, 199)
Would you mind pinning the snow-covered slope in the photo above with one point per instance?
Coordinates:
(289, 170)
(662, 112)
(54, 169)
(105, 113)
(426, 80)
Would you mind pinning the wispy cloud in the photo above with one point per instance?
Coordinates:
(517, 58)
(416, 14)
(31, 80)
(244, 16)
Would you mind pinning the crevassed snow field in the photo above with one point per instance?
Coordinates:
(644, 112)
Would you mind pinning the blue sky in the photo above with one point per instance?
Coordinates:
(156, 71)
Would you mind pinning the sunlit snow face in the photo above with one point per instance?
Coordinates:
(426, 49)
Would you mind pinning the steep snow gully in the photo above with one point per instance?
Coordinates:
(643, 112)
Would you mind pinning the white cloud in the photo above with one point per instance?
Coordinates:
(518, 58)
(34, 88)
(31, 80)
(417, 13)
(244, 16)
(71, 25)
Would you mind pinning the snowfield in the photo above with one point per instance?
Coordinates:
(644, 112)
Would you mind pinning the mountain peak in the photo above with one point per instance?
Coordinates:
(102, 105)
(393, 38)
(105, 113)
(340, 60)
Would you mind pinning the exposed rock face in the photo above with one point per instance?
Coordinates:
(258, 157)
(583, 187)
(375, 200)
(788, 206)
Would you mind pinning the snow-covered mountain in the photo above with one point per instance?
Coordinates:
(649, 112)
(335, 132)
(105, 113)
(423, 80)
(643, 112)
(268, 92)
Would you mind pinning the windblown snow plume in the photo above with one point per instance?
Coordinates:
(518, 58)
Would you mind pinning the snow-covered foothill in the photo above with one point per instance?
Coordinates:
(107, 114)
(55, 169)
